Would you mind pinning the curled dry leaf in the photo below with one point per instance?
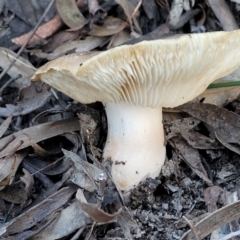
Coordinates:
(44, 31)
(18, 193)
(8, 168)
(70, 14)
(37, 133)
(95, 9)
(39, 151)
(110, 26)
(94, 211)
(28, 180)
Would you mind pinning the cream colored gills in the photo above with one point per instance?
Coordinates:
(134, 82)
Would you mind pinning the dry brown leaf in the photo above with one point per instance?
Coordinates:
(88, 44)
(126, 222)
(48, 167)
(175, 13)
(88, 127)
(192, 157)
(37, 133)
(70, 219)
(5, 124)
(173, 128)
(39, 151)
(30, 234)
(30, 99)
(128, 10)
(70, 14)
(95, 9)
(218, 96)
(37, 213)
(94, 211)
(21, 66)
(44, 31)
(199, 141)
(9, 167)
(225, 124)
(28, 180)
(110, 26)
(18, 192)
(57, 39)
(85, 175)
(224, 14)
(213, 221)
(121, 38)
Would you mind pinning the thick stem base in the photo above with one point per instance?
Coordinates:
(135, 143)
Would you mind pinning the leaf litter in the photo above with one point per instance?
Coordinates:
(52, 182)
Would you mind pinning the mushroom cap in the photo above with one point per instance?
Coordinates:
(165, 72)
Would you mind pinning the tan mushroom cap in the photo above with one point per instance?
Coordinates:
(167, 72)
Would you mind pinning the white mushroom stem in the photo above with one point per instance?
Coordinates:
(135, 143)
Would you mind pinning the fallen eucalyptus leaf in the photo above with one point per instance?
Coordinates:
(30, 99)
(23, 138)
(37, 213)
(225, 124)
(9, 167)
(94, 211)
(70, 14)
(69, 220)
(85, 175)
(173, 128)
(110, 27)
(5, 124)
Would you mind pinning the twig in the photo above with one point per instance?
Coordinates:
(136, 9)
(30, 36)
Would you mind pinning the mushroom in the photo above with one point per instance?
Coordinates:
(134, 82)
